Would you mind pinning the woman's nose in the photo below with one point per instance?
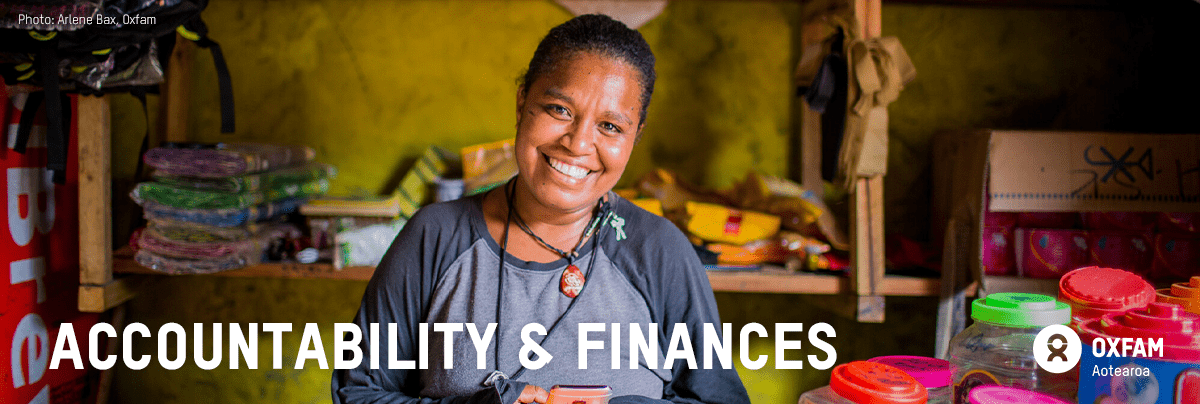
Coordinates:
(579, 139)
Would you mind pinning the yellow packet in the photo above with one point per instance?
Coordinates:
(488, 165)
(722, 224)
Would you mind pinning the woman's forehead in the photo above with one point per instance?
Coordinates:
(589, 71)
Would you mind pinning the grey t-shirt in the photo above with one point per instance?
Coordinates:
(444, 267)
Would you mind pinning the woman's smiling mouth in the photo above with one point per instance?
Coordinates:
(575, 172)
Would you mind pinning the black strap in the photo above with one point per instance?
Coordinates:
(57, 135)
(224, 84)
(140, 94)
(32, 103)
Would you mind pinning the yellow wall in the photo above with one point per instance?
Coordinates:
(371, 83)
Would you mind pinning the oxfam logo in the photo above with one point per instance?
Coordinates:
(1057, 348)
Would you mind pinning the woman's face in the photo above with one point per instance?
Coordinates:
(576, 126)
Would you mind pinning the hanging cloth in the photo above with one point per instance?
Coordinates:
(879, 69)
(850, 82)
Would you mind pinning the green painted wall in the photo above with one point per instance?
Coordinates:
(371, 83)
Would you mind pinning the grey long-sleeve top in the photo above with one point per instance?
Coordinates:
(444, 267)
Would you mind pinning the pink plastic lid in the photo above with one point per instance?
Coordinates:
(1093, 291)
(930, 372)
(875, 383)
(1179, 330)
(1010, 395)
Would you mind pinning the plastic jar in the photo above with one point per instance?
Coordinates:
(864, 382)
(1186, 295)
(1094, 292)
(1167, 375)
(935, 374)
(998, 348)
(1010, 395)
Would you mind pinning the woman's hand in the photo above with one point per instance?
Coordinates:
(533, 394)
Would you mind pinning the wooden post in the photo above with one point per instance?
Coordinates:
(98, 291)
(866, 213)
(95, 191)
(174, 93)
(866, 229)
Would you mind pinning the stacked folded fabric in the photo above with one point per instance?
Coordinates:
(217, 208)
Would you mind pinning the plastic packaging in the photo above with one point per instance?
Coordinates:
(935, 374)
(1094, 292)
(1120, 249)
(1168, 375)
(1186, 295)
(488, 165)
(1176, 256)
(998, 255)
(998, 348)
(865, 382)
(365, 246)
(727, 225)
(226, 159)
(1188, 222)
(221, 217)
(1010, 395)
(1050, 253)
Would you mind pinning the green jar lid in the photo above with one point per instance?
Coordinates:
(1020, 310)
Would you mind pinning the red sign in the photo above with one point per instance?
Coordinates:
(39, 252)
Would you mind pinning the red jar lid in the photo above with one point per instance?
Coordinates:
(1094, 291)
(875, 383)
(930, 372)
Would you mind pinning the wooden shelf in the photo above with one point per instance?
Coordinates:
(123, 263)
(766, 281)
(821, 284)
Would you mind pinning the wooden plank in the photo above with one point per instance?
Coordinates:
(99, 298)
(803, 283)
(124, 264)
(868, 202)
(773, 280)
(759, 282)
(876, 236)
(95, 191)
(174, 92)
(870, 309)
(866, 227)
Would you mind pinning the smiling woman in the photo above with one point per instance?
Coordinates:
(553, 248)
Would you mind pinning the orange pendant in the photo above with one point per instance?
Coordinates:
(572, 281)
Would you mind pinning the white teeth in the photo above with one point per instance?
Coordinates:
(570, 170)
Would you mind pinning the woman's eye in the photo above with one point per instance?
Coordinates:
(558, 110)
(609, 127)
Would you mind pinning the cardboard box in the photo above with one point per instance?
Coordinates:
(1041, 171)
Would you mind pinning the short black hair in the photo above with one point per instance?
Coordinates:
(599, 34)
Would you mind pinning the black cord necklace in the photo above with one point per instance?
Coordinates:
(572, 280)
(510, 196)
